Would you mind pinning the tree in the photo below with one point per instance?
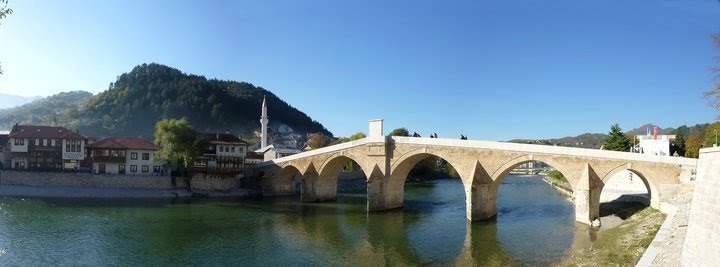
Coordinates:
(399, 132)
(714, 94)
(679, 142)
(616, 139)
(318, 140)
(710, 136)
(178, 142)
(4, 11)
(357, 136)
(692, 147)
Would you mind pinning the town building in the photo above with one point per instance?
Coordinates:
(44, 148)
(654, 145)
(280, 147)
(125, 155)
(225, 154)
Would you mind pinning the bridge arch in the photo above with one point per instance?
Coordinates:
(287, 176)
(513, 163)
(650, 185)
(400, 169)
(337, 162)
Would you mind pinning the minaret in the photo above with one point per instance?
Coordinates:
(264, 122)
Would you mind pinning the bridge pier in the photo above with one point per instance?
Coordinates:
(314, 189)
(274, 186)
(481, 202)
(587, 196)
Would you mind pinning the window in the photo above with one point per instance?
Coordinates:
(133, 168)
(221, 148)
(22, 141)
(121, 153)
(227, 149)
(67, 145)
(145, 168)
(31, 142)
(133, 156)
(17, 141)
(241, 150)
(156, 169)
(121, 168)
(146, 156)
(232, 149)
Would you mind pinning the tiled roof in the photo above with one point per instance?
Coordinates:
(45, 132)
(223, 139)
(123, 143)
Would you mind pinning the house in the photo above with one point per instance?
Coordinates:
(654, 145)
(225, 154)
(125, 155)
(276, 151)
(35, 147)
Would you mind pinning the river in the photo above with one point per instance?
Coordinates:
(535, 225)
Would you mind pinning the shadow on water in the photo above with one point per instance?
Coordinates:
(621, 209)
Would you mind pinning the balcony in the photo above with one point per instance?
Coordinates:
(32, 147)
(108, 159)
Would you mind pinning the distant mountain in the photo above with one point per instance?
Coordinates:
(151, 92)
(590, 140)
(56, 109)
(587, 140)
(642, 130)
(9, 101)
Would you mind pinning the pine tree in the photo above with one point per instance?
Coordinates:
(616, 140)
(680, 142)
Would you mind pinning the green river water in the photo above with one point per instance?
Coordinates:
(535, 226)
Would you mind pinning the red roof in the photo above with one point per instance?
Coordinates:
(44, 132)
(123, 143)
(223, 139)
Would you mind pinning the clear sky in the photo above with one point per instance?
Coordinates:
(492, 69)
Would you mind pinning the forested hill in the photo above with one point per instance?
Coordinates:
(150, 92)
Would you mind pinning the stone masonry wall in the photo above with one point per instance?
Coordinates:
(702, 240)
(59, 179)
(215, 183)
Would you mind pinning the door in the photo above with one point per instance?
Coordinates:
(101, 169)
(121, 169)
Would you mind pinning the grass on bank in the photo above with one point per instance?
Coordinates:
(623, 245)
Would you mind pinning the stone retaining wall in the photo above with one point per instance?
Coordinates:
(215, 183)
(60, 179)
(702, 240)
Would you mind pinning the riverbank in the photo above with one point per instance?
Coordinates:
(86, 192)
(623, 245)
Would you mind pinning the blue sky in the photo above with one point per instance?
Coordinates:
(492, 70)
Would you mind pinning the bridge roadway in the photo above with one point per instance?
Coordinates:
(481, 165)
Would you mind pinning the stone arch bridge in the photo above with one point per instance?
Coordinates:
(481, 165)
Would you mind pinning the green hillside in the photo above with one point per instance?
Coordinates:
(150, 92)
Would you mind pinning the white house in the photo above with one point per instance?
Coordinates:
(125, 155)
(655, 145)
